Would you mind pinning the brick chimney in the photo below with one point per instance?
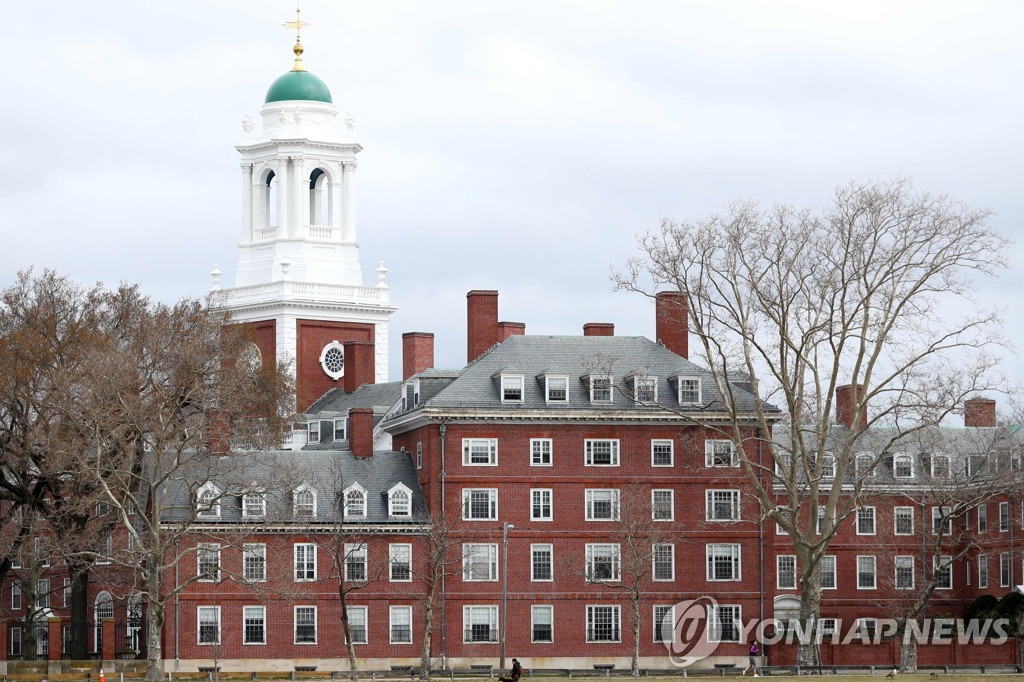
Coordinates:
(980, 412)
(671, 325)
(417, 353)
(481, 322)
(360, 431)
(599, 329)
(507, 329)
(218, 436)
(360, 364)
(845, 407)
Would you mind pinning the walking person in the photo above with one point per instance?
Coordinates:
(517, 670)
(753, 659)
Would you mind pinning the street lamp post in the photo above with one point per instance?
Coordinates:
(505, 527)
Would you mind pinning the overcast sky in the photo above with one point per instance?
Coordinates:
(516, 146)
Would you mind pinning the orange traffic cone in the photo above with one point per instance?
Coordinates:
(102, 677)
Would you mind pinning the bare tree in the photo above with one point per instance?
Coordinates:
(441, 561)
(875, 291)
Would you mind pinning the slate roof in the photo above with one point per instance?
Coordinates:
(576, 357)
(280, 472)
(381, 396)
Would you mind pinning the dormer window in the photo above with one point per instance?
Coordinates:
(556, 389)
(511, 388)
(314, 431)
(355, 500)
(304, 502)
(600, 388)
(645, 389)
(416, 393)
(903, 466)
(208, 501)
(689, 390)
(254, 504)
(940, 466)
(340, 429)
(864, 465)
(399, 501)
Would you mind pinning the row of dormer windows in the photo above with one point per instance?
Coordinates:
(304, 498)
(600, 389)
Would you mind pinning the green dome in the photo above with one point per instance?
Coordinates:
(301, 85)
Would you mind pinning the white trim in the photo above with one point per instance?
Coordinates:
(550, 504)
(295, 624)
(492, 451)
(391, 623)
(263, 610)
(492, 504)
(671, 559)
(655, 442)
(613, 451)
(534, 442)
(393, 549)
(874, 520)
(551, 564)
(199, 625)
(340, 349)
(874, 571)
(512, 380)
(778, 572)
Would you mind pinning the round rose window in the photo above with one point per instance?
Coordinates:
(332, 359)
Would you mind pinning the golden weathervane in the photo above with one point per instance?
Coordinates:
(298, 25)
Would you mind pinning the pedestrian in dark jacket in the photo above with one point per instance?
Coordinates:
(517, 670)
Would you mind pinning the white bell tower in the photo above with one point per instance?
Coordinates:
(298, 261)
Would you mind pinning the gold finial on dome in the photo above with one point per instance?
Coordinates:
(298, 25)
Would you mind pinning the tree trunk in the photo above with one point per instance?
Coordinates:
(353, 669)
(807, 653)
(155, 618)
(428, 626)
(79, 610)
(908, 653)
(634, 663)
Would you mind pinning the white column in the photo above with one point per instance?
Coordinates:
(283, 197)
(247, 206)
(335, 201)
(300, 205)
(349, 199)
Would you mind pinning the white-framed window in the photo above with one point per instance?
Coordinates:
(664, 622)
(904, 566)
(355, 501)
(419, 454)
(724, 623)
(42, 553)
(723, 562)
(254, 562)
(864, 465)
(720, 453)
(511, 388)
(600, 389)
(254, 625)
(401, 624)
(254, 504)
(14, 646)
(819, 526)
(357, 622)
(540, 504)
(602, 504)
(785, 571)
(208, 562)
(902, 466)
(480, 452)
(304, 501)
(903, 520)
(556, 389)
(982, 518)
(480, 504)
(208, 625)
(940, 466)
(603, 623)
(943, 572)
(540, 452)
(663, 504)
(866, 627)
(645, 389)
(603, 562)
(866, 521)
(15, 597)
(866, 575)
(827, 627)
(332, 360)
(355, 562)
(43, 593)
(541, 563)
(479, 562)
(399, 500)
(663, 558)
(67, 593)
(305, 561)
(689, 390)
(542, 624)
(400, 562)
(662, 452)
(305, 625)
(313, 429)
(480, 624)
(942, 521)
(827, 567)
(106, 549)
(340, 429)
(416, 393)
(826, 463)
(602, 452)
(1004, 569)
(722, 505)
(208, 501)
(982, 571)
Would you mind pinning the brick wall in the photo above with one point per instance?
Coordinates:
(312, 335)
